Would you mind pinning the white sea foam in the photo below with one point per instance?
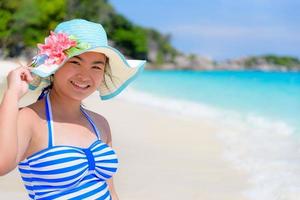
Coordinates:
(268, 150)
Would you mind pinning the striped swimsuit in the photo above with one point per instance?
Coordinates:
(69, 172)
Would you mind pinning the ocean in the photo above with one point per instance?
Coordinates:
(257, 113)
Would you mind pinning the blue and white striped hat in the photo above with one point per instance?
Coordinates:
(89, 37)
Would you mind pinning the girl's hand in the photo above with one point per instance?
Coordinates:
(18, 81)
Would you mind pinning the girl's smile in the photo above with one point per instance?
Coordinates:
(80, 86)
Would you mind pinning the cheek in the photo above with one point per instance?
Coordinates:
(98, 77)
(62, 77)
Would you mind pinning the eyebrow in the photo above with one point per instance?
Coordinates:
(98, 62)
(95, 62)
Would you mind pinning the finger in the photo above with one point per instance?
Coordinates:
(24, 74)
(28, 77)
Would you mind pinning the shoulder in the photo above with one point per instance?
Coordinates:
(29, 113)
(27, 124)
(103, 125)
(26, 117)
(34, 110)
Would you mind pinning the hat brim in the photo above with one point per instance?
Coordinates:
(120, 71)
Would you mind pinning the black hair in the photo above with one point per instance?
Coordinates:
(107, 71)
(47, 88)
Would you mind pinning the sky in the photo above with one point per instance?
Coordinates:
(221, 29)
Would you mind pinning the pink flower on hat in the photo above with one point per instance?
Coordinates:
(55, 46)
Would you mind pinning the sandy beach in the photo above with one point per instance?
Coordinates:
(162, 156)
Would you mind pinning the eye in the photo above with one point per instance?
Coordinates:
(74, 62)
(97, 67)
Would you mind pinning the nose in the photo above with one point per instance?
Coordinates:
(82, 75)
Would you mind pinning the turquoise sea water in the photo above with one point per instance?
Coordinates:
(274, 95)
(256, 115)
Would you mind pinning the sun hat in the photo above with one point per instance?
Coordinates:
(77, 36)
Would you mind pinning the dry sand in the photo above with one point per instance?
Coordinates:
(162, 156)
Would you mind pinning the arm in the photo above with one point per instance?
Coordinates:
(10, 153)
(106, 137)
(112, 190)
(103, 123)
(110, 181)
(8, 132)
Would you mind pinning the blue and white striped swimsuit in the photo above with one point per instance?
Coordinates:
(69, 172)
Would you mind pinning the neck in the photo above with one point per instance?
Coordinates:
(63, 106)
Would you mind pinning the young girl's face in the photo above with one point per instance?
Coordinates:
(81, 75)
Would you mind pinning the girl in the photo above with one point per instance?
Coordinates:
(62, 150)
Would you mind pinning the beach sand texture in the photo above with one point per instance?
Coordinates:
(162, 156)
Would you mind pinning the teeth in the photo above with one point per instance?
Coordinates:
(80, 85)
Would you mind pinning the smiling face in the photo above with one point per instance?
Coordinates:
(81, 75)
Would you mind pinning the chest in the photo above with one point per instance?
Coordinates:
(79, 134)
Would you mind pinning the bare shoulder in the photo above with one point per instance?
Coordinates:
(26, 124)
(28, 114)
(34, 110)
(103, 125)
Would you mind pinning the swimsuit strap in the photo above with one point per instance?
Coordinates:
(50, 121)
(97, 132)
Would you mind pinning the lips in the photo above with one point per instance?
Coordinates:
(80, 85)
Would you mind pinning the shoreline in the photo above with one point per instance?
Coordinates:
(185, 150)
(182, 155)
(162, 156)
(159, 154)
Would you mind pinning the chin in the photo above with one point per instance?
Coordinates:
(78, 94)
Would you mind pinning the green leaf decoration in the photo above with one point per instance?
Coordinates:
(81, 46)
